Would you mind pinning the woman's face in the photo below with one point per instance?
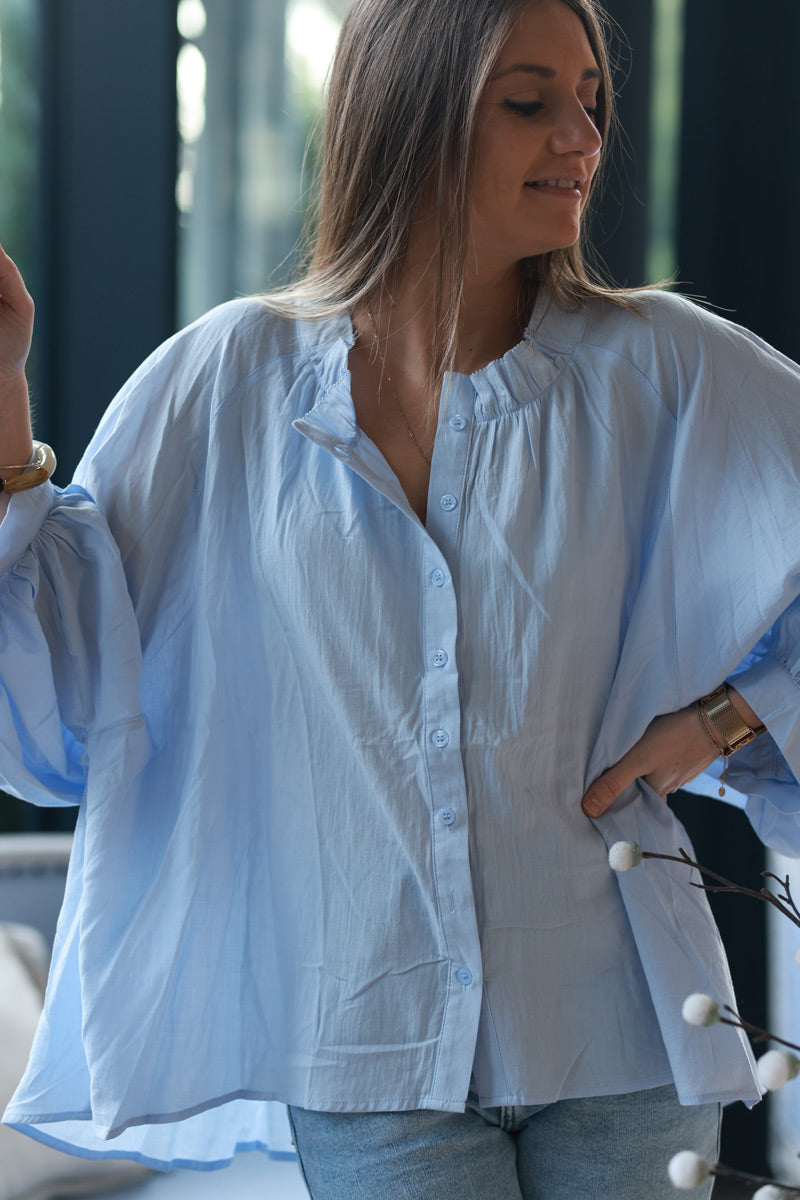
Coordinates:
(537, 145)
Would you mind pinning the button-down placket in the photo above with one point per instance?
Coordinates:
(443, 738)
(331, 425)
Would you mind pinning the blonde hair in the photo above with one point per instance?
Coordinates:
(401, 113)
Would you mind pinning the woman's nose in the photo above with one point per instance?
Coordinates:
(575, 132)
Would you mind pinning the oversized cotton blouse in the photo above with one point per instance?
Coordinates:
(329, 759)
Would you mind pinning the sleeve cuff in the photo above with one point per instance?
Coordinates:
(766, 772)
(27, 512)
(773, 692)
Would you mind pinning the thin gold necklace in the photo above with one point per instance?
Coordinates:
(394, 395)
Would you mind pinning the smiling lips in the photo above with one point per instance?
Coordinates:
(560, 184)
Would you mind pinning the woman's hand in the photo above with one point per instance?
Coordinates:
(16, 329)
(672, 750)
(16, 320)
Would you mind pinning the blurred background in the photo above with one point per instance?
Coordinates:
(155, 157)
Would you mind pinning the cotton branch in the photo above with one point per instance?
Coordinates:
(758, 1035)
(687, 1170)
(722, 1172)
(785, 903)
(703, 1010)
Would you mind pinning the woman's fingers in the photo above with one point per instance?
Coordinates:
(673, 749)
(16, 318)
(16, 329)
(611, 784)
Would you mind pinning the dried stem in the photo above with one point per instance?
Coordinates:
(758, 1035)
(785, 903)
(723, 1172)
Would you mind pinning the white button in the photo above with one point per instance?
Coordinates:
(458, 422)
(440, 658)
(438, 577)
(440, 738)
(464, 976)
(448, 502)
(448, 816)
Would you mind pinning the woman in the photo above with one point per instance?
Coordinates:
(356, 592)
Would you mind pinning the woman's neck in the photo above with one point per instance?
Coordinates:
(403, 318)
(392, 362)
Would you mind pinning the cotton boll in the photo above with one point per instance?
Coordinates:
(777, 1067)
(624, 855)
(699, 1009)
(687, 1170)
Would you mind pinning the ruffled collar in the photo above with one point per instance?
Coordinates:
(530, 367)
(502, 386)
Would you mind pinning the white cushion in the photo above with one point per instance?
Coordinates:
(29, 1170)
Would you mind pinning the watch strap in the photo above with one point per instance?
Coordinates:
(727, 729)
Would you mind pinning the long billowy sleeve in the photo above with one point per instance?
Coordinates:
(96, 580)
(719, 595)
(70, 660)
(735, 508)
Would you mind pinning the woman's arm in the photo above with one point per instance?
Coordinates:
(70, 659)
(16, 328)
(674, 748)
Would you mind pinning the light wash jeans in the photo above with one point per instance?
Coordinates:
(601, 1148)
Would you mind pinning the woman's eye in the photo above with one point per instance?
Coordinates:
(524, 108)
(529, 108)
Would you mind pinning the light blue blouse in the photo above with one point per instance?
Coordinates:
(330, 760)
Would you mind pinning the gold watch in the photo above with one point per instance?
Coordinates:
(727, 729)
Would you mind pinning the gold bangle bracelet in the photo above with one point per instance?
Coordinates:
(37, 471)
